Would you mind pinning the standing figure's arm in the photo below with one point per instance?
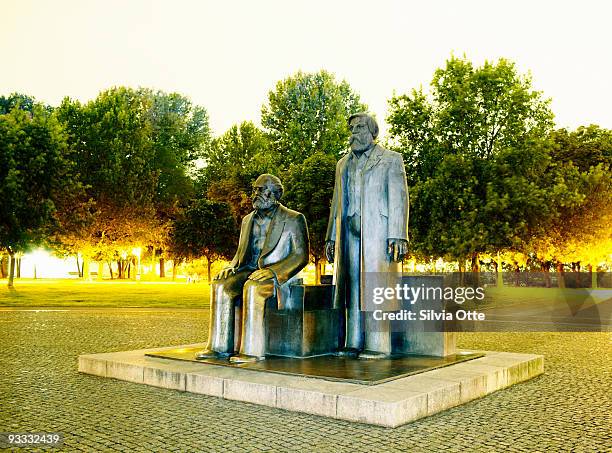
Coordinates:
(398, 210)
(330, 237)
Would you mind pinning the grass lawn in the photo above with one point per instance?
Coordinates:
(508, 296)
(74, 293)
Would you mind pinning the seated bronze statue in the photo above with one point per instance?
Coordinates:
(272, 249)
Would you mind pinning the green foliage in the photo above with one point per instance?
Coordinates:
(470, 111)
(585, 147)
(114, 150)
(242, 149)
(475, 205)
(234, 161)
(307, 113)
(21, 101)
(135, 150)
(309, 190)
(206, 228)
(37, 176)
(476, 156)
(180, 135)
(579, 231)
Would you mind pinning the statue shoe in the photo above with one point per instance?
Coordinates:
(244, 358)
(210, 354)
(351, 353)
(373, 355)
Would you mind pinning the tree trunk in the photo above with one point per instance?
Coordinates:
(560, 275)
(86, 274)
(129, 270)
(546, 270)
(79, 266)
(593, 276)
(173, 269)
(100, 270)
(119, 269)
(499, 269)
(162, 267)
(474, 264)
(317, 271)
(3, 269)
(461, 272)
(208, 265)
(11, 277)
(110, 268)
(18, 271)
(517, 275)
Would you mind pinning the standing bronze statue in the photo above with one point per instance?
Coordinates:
(272, 249)
(367, 231)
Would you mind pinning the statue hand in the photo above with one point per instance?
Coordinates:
(330, 247)
(226, 272)
(261, 274)
(397, 249)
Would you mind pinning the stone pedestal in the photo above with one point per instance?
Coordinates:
(390, 404)
(307, 325)
(425, 337)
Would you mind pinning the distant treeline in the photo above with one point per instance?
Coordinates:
(492, 182)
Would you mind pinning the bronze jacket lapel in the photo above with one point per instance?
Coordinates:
(374, 158)
(245, 235)
(274, 231)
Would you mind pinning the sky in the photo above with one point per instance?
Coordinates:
(226, 55)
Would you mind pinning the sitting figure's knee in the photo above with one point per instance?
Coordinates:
(257, 290)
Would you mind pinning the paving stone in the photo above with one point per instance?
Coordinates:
(565, 409)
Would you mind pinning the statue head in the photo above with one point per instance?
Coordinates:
(267, 192)
(364, 130)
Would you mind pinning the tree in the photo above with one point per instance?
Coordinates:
(310, 186)
(111, 136)
(469, 111)
(21, 101)
(475, 156)
(579, 232)
(308, 113)
(585, 147)
(243, 148)
(234, 161)
(180, 136)
(205, 229)
(136, 150)
(475, 206)
(37, 176)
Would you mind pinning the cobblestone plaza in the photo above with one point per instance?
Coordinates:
(566, 409)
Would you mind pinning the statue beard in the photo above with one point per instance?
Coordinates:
(361, 142)
(263, 204)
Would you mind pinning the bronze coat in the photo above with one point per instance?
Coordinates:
(285, 251)
(384, 215)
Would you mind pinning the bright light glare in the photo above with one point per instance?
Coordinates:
(47, 266)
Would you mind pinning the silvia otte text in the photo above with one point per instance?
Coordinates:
(428, 315)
